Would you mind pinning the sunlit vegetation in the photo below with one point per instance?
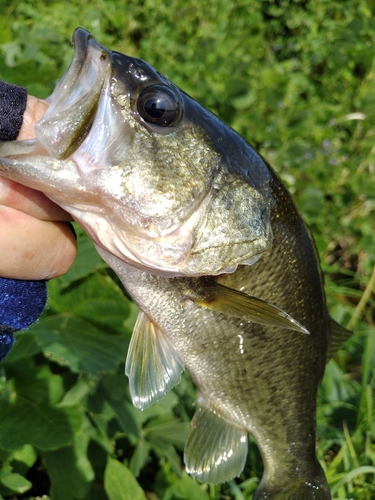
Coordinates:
(297, 80)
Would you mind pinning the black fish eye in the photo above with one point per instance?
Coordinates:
(159, 105)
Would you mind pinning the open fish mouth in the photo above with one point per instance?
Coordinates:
(74, 101)
(141, 166)
(165, 190)
(89, 59)
(80, 42)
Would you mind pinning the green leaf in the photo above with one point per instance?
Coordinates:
(162, 407)
(120, 484)
(350, 475)
(78, 473)
(97, 299)
(25, 347)
(185, 489)
(38, 424)
(27, 455)
(139, 457)
(78, 392)
(39, 384)
(115, 390)
(86, 262)
(169, 430)
(5, 32)
(296, 79)
(12, 51)
(16, 483)
(74, 342)
(99, 435)
(167, 452)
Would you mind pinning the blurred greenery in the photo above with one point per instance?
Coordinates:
(296, 78)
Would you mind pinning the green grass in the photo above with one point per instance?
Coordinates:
(297, 80)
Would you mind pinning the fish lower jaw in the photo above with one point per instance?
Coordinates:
(182, 267)
(158, 256)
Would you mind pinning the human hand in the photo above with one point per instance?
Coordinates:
(35, 109)
(36, 243)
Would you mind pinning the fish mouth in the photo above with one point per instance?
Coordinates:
(90, 128)
(83, 43)
(74, 101)
(80, 39)
(88, 60)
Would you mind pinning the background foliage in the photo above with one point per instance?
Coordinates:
(297, 80)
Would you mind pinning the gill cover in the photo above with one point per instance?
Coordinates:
(143, 168)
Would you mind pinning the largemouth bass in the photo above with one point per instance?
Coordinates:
(211, 247)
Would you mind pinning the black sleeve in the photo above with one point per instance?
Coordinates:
(12, 107)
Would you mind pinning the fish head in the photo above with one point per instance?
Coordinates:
(154, 178)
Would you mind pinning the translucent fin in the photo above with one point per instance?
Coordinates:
(338, 335)
(215, 449)
(241, 305)
(152, 365)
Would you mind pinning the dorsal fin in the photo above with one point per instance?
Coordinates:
(152, 364)
(215, 449)
(337, 336)
(241, 305)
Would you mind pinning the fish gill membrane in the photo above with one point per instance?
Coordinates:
(211, 247)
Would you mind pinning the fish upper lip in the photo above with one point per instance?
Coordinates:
(62, 130)
(82, 40)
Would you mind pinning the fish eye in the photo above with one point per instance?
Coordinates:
(159, 105)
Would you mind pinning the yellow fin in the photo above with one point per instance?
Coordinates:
(337, 336)
(215, 449)
(152, 364)
(241, 305)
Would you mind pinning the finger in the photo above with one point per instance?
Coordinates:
(33, 249)
(30, 202)
(35, 109)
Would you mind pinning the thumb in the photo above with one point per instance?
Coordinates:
(35, 109)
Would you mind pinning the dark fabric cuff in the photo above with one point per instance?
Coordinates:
(21, 303)
(12, 107)
(6, 342)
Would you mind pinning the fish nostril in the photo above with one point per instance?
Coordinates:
(103, 57)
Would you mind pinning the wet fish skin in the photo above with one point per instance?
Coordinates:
(262, 379)
(252, 378)
(162, 191)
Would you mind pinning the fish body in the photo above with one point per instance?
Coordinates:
(261, 379)
(211, 247)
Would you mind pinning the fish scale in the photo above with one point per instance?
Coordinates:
(266, 399)
(211, 247)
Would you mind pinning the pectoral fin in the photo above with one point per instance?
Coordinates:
(152, 364)
(215, 449)
(241, 305)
